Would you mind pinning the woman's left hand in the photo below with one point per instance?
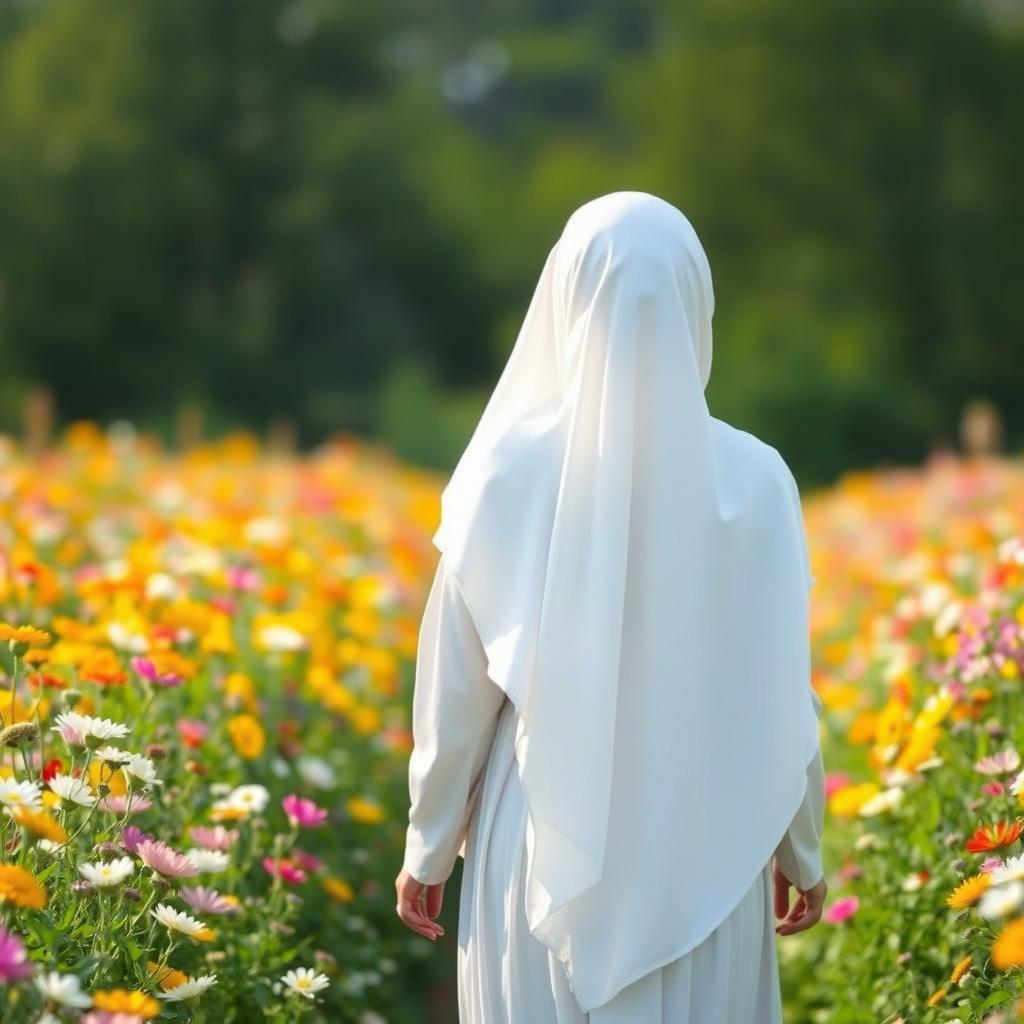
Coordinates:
(419, 904)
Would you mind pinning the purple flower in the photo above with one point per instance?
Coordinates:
(14, 962)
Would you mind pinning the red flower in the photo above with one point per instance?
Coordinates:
(52, 767)
(992, 837)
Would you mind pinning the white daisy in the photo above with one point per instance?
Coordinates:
(112, 755)
(72, 789)
(107, 874)
(304, 981)
(252, 798)
(105, 729)
(177, 921)
(20, 794)
(881, 802)
(1010, 870)
(143, 769)
(64, 989)
(1000, 900)
(281, 638)
(208, 862)
(189, 989)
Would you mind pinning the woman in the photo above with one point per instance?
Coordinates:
(613, 719)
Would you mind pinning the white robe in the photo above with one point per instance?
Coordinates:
(466, 798)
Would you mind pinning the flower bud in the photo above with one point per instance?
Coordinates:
(19, 734)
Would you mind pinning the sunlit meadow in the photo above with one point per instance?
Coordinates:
(207, 666)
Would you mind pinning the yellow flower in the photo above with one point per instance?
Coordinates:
(338, 889)
(936, 997)
(205, 935)
(19, 887)
(28, 635)
(238, 687)
(366, 719)
(1008, 949)
(961, 969)
(968, 892)
(39, 823)
(166, 977)
(121, 1000)
(247, 735)
(366, 811)
(847, 802)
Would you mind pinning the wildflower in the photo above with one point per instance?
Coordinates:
(841, 910)
(14, 962)
(304, 981)
(21, 638)
(968, 892)
(63, 989)
(208, 862)
(146, 668)
(1007, 950)
(217, 838)
(285, 869)
(159, 857)
(338, 889)
(247, 736)
(280, 637)
(132, 836)
(120, 1000)
(1000, 900)
(243, 801)
(993, 837)
(107, 874)
(961, 969)
(39, 823)
(16, 795)
(1012, 868)
(881, 802)
(112, 755)
(134, 803)
(166, 977)
(72, 790)
(189, 989)
(78, 730)
(19, 887)
(998, 764)
(142, 769)
(192, 733)
(366, 811)
(302, 812)
(209, 901)
(18, 734)
(177, 920)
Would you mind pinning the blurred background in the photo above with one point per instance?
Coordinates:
(312, 216)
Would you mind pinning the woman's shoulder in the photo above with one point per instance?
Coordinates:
(754, 452)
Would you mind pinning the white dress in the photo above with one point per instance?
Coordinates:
(466, 798)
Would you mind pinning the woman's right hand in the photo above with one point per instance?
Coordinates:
(805, 912)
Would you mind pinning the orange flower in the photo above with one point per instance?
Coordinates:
(968, 892)
(26, 635)
(365, 811)
(39, 823)
(1008, 949)
(166, 977)
(247, 736)
(961, 969)
(19, 887)
(338, 889)
(121, 1000)
(993, 837)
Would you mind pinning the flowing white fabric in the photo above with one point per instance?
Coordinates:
(637, 572)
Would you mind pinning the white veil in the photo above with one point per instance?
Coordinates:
(637, 572)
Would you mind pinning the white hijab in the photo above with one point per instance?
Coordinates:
(638, 575)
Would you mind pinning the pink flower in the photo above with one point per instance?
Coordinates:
(192, 733)
(303, 812)
(159, 857)
(132, 836)
(996, 764)
(224, 604)
(208, 901)
(834, 781)
(848, 871)
(146, 668)
(841, 910)
(14, 962)
(110, 1017)
(990, 864)
(306, 861)
(219, 838)
(287, 870)
(993, 788)
(241, 577)
(120, 805)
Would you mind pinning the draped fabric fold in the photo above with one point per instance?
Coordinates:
(638, 574)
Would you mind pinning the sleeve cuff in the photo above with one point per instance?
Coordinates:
(426, 865)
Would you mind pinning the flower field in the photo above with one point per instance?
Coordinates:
(205, 672)
(205, 732)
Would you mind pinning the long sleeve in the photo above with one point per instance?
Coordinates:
(799, 851)
(454, 717)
